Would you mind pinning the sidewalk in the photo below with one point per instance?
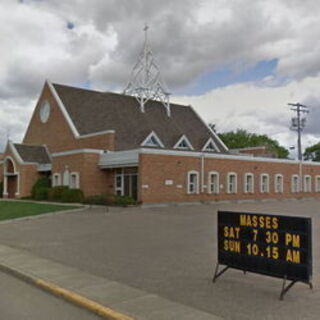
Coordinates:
(110, 299)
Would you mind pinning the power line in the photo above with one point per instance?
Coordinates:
(298, 123)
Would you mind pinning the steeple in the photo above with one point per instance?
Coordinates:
(145, 83)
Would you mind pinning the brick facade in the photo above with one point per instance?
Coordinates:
(156, 170)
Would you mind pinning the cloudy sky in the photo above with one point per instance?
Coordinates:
(238, 62)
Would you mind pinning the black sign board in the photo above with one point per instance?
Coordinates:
(274, 245)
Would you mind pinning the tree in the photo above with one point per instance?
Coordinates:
(243, 139)
(312, 153)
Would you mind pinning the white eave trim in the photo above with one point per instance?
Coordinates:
(207, 143)
(63, 109)
(89, 135)
(15, 152)
(76, 151)
(44, 167)
(152, 134)
(183, 138)
(222, 156)
(119, 159)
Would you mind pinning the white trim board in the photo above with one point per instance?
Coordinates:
(99, 133)
(76, 151)
(222, 156)
(63, 109)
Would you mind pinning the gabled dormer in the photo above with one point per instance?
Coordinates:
(152, 140)
(210, 146)
(183, 144)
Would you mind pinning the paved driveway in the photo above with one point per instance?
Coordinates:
(171, 252)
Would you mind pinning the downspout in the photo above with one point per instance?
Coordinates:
(202, 173)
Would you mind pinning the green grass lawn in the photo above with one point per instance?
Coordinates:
(19, 209)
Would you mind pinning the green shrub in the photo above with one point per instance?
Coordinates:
(100, 199)
(43, 182)
(72, 195)
(1, 189)
(55, 193)
(124, 201)
(41, 193)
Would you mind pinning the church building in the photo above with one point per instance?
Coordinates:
(140, 145)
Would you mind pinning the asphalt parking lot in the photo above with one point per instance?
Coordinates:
(170, 252)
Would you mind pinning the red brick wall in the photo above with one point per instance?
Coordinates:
(93, 180)
(56, 133)
(155, 169)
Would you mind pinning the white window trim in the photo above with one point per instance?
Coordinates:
(264, 175)
(305, 186)
(248, 174)
(154, 135)
(278, 175)
(184, 138)
(207, 143)
(77, 175)
(209, 182)
(316, 183)
(293, 190)
(235, 182)
(54, 176)
(197, 182)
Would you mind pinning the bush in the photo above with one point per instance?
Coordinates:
(72, 195)
(124, 201)
(43, 182)
(55, 193)
(101, 199)
(41, 193)
(1, 189)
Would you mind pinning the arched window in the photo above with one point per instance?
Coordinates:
(248, 183)
(193, 182)
(307, 185)
(264, 183)
(213, 182)
(278, 183)
(295, 185)
(317, 184)
(232, 182)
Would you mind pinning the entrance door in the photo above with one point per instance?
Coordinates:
(12, 186)
(127, 182)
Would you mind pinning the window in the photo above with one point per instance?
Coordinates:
(74, 182)
(193, 182)
(307, 185)
(66, 177)
(213, 182)
(210, 146)
(317, 184)
(183, 143)
(232, 182)
(264, 183)
(56, 179)
(295, 185)
(248, 183)
(278, 183)
(152, 140)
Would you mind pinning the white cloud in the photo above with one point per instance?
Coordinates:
(261, 109)
(188, 38)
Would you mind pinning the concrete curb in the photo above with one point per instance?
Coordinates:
(67, 295)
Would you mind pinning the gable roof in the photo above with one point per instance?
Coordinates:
(33, 153)
(93, 111)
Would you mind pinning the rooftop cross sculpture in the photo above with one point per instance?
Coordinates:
(146, 83)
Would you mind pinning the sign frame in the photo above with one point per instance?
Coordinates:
(239, 237)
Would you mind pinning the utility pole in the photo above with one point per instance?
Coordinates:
(298, 123)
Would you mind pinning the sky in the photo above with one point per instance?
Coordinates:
(237, 62)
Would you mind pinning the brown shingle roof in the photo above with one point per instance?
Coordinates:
(31, 153)
(93, 111)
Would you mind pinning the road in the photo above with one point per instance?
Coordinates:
(171, 252)
(21, 301)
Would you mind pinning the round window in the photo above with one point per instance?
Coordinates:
(45, 111)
